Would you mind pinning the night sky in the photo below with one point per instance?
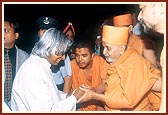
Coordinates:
(86, 18)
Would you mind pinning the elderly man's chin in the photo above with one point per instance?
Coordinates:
(109, 60)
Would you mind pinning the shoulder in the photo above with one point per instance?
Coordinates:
(73, 62)
(98, 58)
(22, 52)
(131, 57)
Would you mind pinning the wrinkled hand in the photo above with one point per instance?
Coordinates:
(87, 95)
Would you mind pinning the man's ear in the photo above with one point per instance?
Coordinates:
(93, 55)
(16, 36)
(130, 28)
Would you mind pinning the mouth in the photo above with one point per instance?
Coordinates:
(81, 64)
(57, 62)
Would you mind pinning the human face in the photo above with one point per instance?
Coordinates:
(84, 58)
(41, 32)
(55, 59)
(111, 52)
(9, 35)
(149, 16)
(70, 34)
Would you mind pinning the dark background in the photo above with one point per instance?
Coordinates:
(86, 18)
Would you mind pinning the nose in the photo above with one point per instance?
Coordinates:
(80, 58)
(104, 51)
(63, 57)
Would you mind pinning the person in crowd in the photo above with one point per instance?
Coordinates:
(69, 30)
(129, 76)
(13, 56)
(142, 46)
(134, 40)
(34, 88)
(87, 68)
(62, 72)
(146, 17)
(153, 17)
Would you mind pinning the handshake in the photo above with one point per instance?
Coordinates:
(83, 93)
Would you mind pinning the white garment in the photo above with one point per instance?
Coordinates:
(34, 89)
(21, 56)
(5, 107)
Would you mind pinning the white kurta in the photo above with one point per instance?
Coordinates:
(34, 89)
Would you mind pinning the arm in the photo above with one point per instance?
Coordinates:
(41, 95)
(67, 84)
(100, 88)
(66, 72)
(150, 56)
(89, 95)
(132, 78)
(158, 85)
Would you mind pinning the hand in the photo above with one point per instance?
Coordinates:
(88, 87)
(78, 93)
(87, 95)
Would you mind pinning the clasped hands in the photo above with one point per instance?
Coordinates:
(83, 93)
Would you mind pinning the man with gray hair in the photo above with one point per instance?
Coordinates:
(129, 76)
(34, 88)
(62, 72)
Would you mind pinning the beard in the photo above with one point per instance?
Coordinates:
(147, 28)
(109, 59)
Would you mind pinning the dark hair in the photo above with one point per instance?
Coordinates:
(86, 44)
(14, 23)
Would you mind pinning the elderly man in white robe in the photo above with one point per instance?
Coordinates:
(34, 88)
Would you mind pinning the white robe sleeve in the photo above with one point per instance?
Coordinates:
(66, 104)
